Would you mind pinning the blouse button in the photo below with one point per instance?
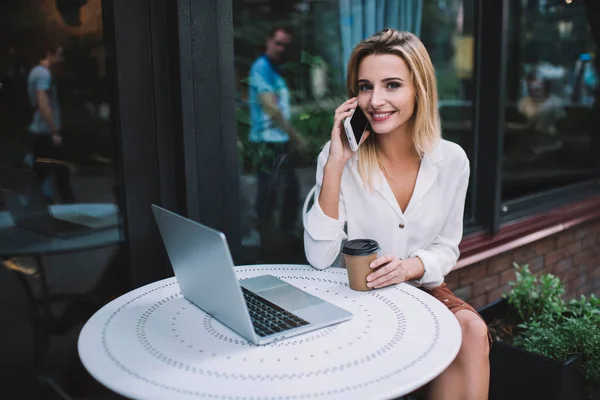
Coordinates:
(401, 226)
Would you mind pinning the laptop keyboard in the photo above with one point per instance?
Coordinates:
(269, 318)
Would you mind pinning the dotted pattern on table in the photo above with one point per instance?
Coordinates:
(233, 339)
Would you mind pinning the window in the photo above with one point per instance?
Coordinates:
(79, 83)
(312, 71)
(550, 138)
(54, 50)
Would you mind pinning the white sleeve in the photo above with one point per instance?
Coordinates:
(323, 235)
(441, 255)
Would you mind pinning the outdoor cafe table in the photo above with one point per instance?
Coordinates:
(151, 343)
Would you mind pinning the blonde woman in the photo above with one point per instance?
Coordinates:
(405, 188)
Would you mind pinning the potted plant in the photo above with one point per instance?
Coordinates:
(544, 347)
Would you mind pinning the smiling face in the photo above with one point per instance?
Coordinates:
(385, 92)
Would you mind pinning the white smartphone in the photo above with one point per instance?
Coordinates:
(355, 127)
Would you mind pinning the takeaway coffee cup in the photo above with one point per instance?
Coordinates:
(358, 254)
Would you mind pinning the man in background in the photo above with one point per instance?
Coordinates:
(44, 131)
(273, 135)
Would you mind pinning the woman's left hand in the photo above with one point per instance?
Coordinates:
(390, 273)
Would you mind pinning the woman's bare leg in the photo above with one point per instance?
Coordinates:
(468, 377)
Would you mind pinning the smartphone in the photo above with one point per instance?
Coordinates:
(355, 127)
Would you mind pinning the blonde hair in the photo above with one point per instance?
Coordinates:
(425, 126)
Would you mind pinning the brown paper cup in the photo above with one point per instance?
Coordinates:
(358, 254)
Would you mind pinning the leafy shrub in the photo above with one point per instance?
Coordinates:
(553, 327)
(532, 296)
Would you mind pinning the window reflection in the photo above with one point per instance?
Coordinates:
(324, 34)
(551, 90)
(56, 163)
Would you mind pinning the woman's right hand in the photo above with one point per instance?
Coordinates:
(339, 150)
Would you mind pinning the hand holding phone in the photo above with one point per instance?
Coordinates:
(355, 127)
(341, 151)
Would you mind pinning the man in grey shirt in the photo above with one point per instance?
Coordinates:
(44, 130)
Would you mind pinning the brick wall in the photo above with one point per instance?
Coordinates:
(572, 255)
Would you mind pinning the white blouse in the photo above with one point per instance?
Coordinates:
(430, 228)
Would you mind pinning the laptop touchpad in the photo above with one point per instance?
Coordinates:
(290, 298)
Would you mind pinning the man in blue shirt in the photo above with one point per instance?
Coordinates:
(44, 130)
(269, 99)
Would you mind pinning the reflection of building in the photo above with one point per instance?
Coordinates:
(26, 36)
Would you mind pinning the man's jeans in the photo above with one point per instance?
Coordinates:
(278, 173)
(42, 146)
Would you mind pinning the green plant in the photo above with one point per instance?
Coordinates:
(532, 296)
(315, 125)
(561, 338)
(553, 327)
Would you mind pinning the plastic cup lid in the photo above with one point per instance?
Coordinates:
(360, 247)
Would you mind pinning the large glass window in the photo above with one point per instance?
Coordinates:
(56, 168)
(304, 67)
(551, 88)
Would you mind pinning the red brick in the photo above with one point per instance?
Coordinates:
(582, 257)
(464, 293)
(545, 246)
(452, 279)
(499, 264)
(588, 242)
(485, 285)
(537, 264)
(564, 238)
(497, 293)
(562, 266)
(572, 249)
(579, 281)
(596, 283)
(584, 232)
(585, 289)
(478, 302)
(554, 256)
(523, 256)
(472, 274)
(594, 273)
(569, 275)
(507, 276)
(570, 295)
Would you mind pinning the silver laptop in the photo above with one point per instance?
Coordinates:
(261, 309)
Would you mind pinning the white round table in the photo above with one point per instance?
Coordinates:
(152, 343)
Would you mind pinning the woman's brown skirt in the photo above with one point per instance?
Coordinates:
(454, 304)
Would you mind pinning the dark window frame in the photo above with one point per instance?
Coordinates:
(139, 61)
(492, 214)
(208, 113)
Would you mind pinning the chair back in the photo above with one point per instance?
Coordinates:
(308, 202)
